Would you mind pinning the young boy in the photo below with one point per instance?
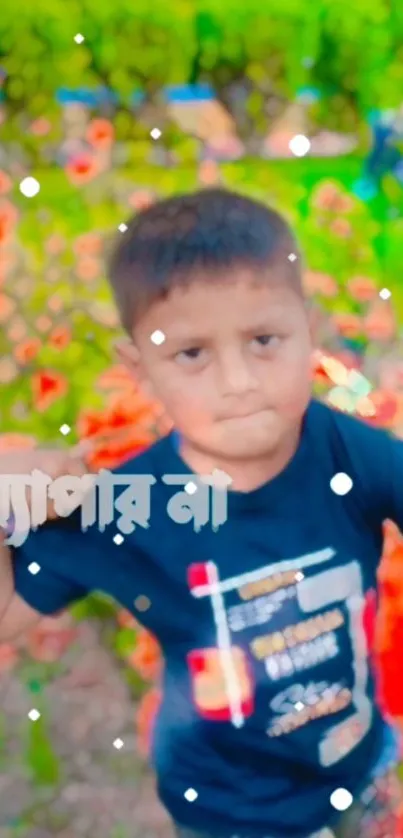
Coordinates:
(269, 726)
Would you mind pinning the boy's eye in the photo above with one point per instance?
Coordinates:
(192, 354)
(266, 340)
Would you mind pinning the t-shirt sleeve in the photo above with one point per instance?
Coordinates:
(48, 569)
(394, 491)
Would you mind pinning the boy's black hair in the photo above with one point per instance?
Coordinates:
(204, 235)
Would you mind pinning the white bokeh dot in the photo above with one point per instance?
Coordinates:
(79, 38)
(299, 576)
(341, 483)
(118, 744)
(34, 715)
(341, 799)
(155, 133)
(34, 568)
(292, 257)
(385, 294)
(142, 603)
(65, 429)
(158, 337)
(299, 706)
(29, 187)
(299, 145)
(191, 795)
(122, 227)
(118, 539)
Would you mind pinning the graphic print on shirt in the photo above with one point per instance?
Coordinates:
(327, 601)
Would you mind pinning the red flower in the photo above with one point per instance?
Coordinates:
(387, 406)
(48, 386)
(82, 169)
(8, 220)
(100, 133)
(60, 337)
(26, 351)
(146, 658)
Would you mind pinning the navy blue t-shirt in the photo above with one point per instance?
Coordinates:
(268, 690)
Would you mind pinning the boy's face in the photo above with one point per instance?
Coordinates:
(234, 370)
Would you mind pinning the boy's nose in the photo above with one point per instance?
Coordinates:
(236, 376)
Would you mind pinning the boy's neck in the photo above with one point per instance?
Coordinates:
(245, 475)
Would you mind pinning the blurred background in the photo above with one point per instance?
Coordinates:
(104, 108)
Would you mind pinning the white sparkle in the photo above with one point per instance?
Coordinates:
(299, 706)
(191, 795)
(122, 227)
(292, 257)
(118, 539)
(341, 799)
(158, 337)
(29, 187)
(155, 133)
(341, 483)
(34, 715)
(79, 38)
(299, 576)
(385, 294)
(118, 744)
(34, 568)
(65, 429)
(299, 145)
(190, 488)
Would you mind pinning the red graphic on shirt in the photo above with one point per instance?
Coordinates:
(222, 679)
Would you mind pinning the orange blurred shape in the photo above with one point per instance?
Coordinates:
(362, 288)
(100, 133)
(60, 337)
(43, 323)
(209, 172)
(387, 408)
(117, 377)
(40, 127)
(380, 322)
(8, 220)
(341, 228)
(12, 441)
(82, 169)
(5, 182)
(126, 619)
(8, 657)
(88, 269)
(89, 244)
(55, 244)
(47, 387)
(51, 638)
(146, 659)
(349, 325)
(146, 714)
(315, 282)
(27, 350)
(141, 200)
(7, 307)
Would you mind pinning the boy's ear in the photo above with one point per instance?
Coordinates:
(129, 356)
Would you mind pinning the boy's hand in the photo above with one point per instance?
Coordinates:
(52, 462)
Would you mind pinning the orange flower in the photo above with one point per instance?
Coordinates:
(318, 283)
(146, 658)
(82, 169)
(7, 307)
(8, 220)
(5, 183)
(55, 304)
(387, 406)
(48, 386)
(88, 269)
(17, 330)
(116, 378)
(8, 657)
(40, 127)
(362, 288)
(113, 452)
(89, 244)
(100, 133)
(146, 714)
(60, 337)
(341, 228)
(55, 244)
(26, 351)
(48, 641)
(9, 442)
(327, 197)
(43, 323)
(380, 323)
(349, 325)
